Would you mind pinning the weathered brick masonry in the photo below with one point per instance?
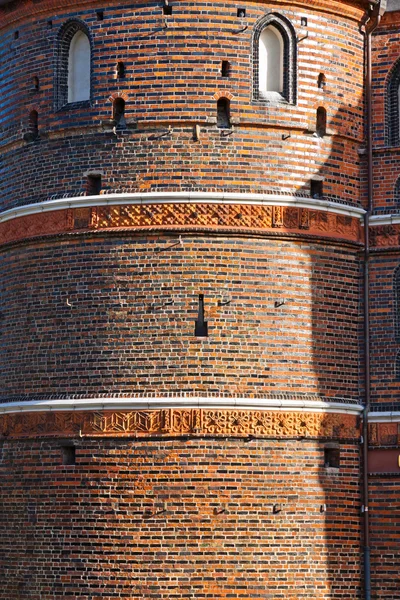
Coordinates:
(226, 465)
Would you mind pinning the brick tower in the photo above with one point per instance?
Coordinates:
(184, 188)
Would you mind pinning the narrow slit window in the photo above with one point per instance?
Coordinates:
(223, 113)
(321, 122)
(35, 83)
(100, 15)
(201, 327)
(225, 68)
(93, 185)
(119, 112)
(321, 81)
(68, 455)
(120, 70)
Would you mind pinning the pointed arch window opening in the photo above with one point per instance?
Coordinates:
(271, 59)
(79, 68)
(274, 60)
(73, 71)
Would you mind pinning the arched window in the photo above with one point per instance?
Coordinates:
(274, 59)
(119, 112)
(270, 61)
(79, 68)
(393, 107)
(223, 113)
(73, 71)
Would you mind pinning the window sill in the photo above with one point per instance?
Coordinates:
(75, 105)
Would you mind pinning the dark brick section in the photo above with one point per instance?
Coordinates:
(117, 314)
(204, 519)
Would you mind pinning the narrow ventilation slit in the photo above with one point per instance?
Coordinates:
(321, 122)
(35, 83)
(100, 15)
(316, 188)
(16, 35)
(93, 185)
(201, 327)
(225, 68)
(223, 113)
(119, 112)
(321, 81)
(120, 70)
(68, 455)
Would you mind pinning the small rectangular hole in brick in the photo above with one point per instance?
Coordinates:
(167, 9)
(332, 457)
(100, 15)
(68, 455)
(241, 13)
(316, 188)
(93, 185)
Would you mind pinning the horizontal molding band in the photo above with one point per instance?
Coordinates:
(238, 214)
(179, 198)
(164, 422)
(377, 220)
(384, 417)
(167, 402)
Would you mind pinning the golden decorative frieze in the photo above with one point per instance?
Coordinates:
(171, 422)
(178, 216)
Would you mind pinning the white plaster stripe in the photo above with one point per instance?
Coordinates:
(384, 220)
(149, 403)
(384, 417)
(181, 198)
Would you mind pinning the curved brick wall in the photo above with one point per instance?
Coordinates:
(113, 314)
(173, 80)
(179, 520)
(100, 300)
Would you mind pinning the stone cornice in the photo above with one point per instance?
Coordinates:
(259, 214)
(150, 198)
(187, 401)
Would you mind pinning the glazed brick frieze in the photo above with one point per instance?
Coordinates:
(251, 218)
(179, 422)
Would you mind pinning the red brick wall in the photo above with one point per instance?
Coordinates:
(105, 314)
(172, 80)
(179, 519)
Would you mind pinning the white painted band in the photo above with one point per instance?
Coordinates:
(384, 220)
(384, 417)
(181, 198)
(165, 402)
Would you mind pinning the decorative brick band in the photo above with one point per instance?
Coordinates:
(170, 422)
(257, 218)
(384, 434)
